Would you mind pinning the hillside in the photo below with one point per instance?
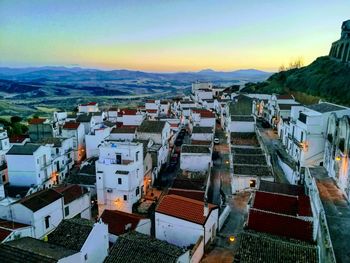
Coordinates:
(322, 79)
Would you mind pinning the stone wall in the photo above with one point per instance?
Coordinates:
(341, 49)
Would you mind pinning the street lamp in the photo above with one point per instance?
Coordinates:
(231, 239)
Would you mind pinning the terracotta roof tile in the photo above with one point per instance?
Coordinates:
(11, 225)
(36, 121)
(40, 199)
(4, 233)
(117, 221)
(204, 113)
(192, 194)
(89, 104)
(71, 192)
(71, 125)
(128, 112)
(184, 208)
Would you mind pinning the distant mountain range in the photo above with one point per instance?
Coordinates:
(82, 74)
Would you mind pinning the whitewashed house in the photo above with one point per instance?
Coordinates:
(60, 117)
(76, 131)
(94, 138)
(30, 165)
(123, 133)
(4, 147)
(159, 133)
(202, 118)
(202, 133)
(42, 210)
(86, 120)
(152, 105)
(89, 239)
(120, 223)
(203, 94)
(196, 158)
(274, 105)
(306, 140)
(61, 155)
(242, 123)
(119, 175)
(164, 108)
(336, 154)
(88, 107)
(112, 114)
(182, 221)
(201, 85)
(10, 230)
(76, 201)
(131, 117)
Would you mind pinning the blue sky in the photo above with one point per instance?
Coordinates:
(167, 35)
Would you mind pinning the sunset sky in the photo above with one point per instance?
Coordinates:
(167, 36)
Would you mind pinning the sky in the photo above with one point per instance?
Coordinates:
(168, 36)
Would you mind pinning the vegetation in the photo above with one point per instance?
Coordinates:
(14, 126)
(322, 79)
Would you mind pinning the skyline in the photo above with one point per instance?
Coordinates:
(161, 36)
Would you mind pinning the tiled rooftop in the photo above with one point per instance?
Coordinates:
(249, 159)
(259, 247)
(118, 221)
(183, 208)
(34, 121)
(71, 233)
(134, 247)
(40, 199)
(151, 126)
(31, 250)
(325, 107)
(27, 149)
(282, 204)
(71, 125)
(71, 192)
(192, 194)
(251, 170)
(287, 189)
(242, 118)
(198, 129)
(195, 149)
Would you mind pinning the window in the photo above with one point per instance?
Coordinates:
(118, 158)
(86, 257)
(66, 211)
(137, 156)
(137, 191)
(252, 183)
(47, 221)
(125, 197)
(119, 180)
(301, 137)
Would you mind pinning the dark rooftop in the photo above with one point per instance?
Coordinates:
(255, 170)
(31, 250)
(71, 192)
(124, 129)
(27, 149)
(40, 199)
(242, 118)
(249, 159)
(287, 189)
(119, 221)
(244, 138)
(57, 142)
(198, 129)
(71, 233)
(134, 247)
(325, 107)
(152, 126)
(250, 151)
(259, 247)
(242, 106)
(194, 149)
(287, 106)
(84, 117)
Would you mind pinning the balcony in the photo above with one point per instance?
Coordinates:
(114, 161)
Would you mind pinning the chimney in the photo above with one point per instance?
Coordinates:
(206, 209)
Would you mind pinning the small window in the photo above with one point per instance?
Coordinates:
(119, 180)
(86, 257)
(137, 156)
(47, 221)
(66, 211)
(125, 197)
(252, 183)
(137, 191)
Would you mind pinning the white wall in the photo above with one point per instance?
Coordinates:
(79, 206)
(242, 126)
(195, 162)
(202, 136)
(96, 245)
(93, 140)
